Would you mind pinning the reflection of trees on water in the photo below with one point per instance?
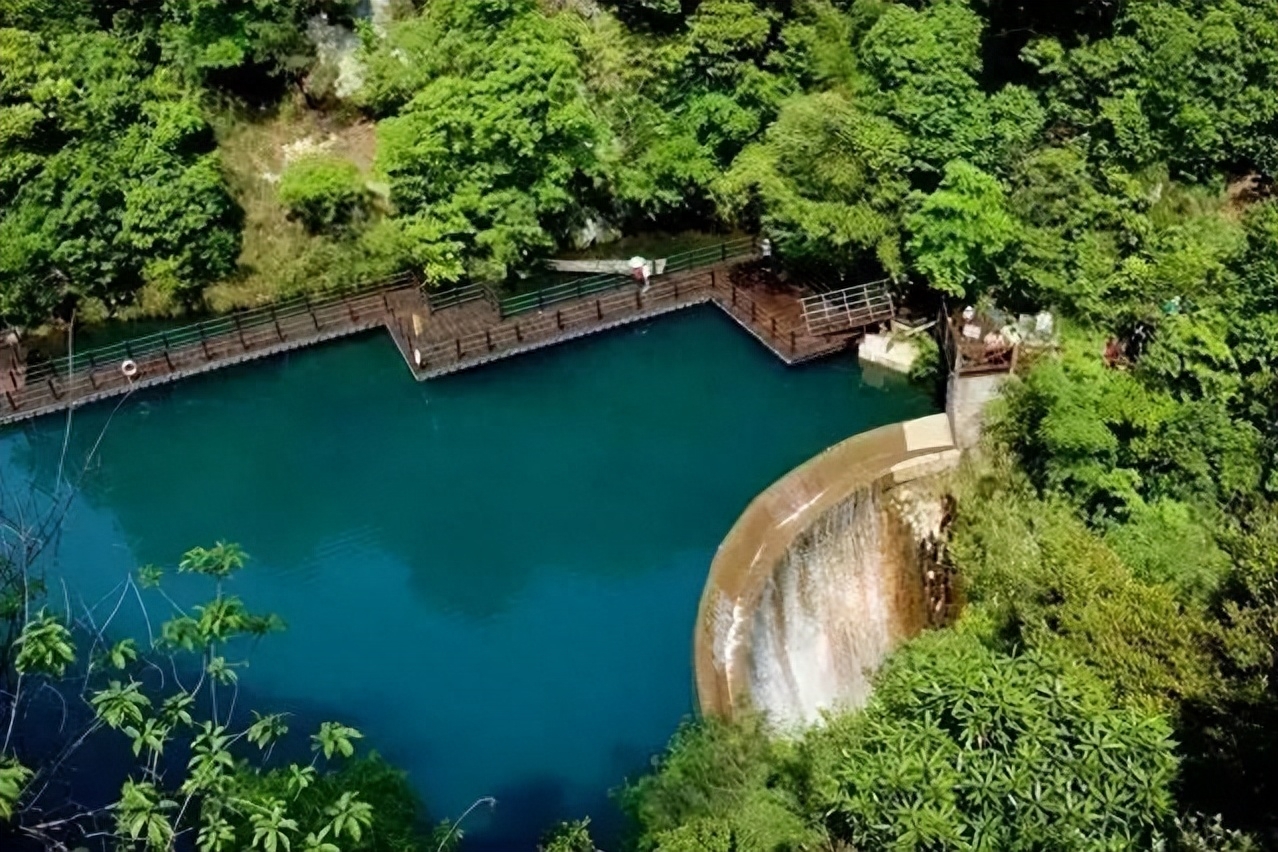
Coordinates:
(474, 482)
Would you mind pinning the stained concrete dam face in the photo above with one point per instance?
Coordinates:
(818, 581)
(846, 593)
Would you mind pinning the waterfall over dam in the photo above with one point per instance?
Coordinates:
(819, 580)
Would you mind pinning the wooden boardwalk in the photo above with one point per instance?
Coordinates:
(455, 334)
(473, 334)
(161, 358)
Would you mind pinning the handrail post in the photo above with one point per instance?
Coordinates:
(488, 339)
(723, 251)
(519, 335)
(204, 343)
(275, 319)
(240, 329)
(559, 320)
(12, 402)
(310, 309)
(457, 341)
(598, 310)
(774, 326)
(791, 341)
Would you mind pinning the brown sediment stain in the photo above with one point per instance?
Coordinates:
(819, 561)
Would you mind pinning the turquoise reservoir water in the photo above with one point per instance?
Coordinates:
(493, 575)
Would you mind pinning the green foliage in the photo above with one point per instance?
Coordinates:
(219, 798)
(1112, 442)
(827, 180)
(13, 779)
(1192, 84)
(923, 65)
(324, 192)
(1040, 579)
(1166, 543)
(964, 748)
(568, 837)
(960, 232)
(107, 182)
(204, 37)
(489, 159)
(716, 788)
(364, 806)
(44, 647)
(929, 365)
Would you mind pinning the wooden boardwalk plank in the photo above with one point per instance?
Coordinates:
(432, 342)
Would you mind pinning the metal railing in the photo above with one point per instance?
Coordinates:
(680, 262)
(191, 335)
(847, 309)
(70, 378)
(454, 296)
(785, 335)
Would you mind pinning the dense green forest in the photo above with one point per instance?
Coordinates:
(1111, 683)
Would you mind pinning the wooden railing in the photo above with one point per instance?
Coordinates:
(971, 356)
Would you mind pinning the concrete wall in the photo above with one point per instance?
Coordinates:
(966, 399)
(761, 554)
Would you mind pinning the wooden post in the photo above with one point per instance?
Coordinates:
(12, 402)
(276, 320)
(675, 284)
(92, 364)
(240, 329)
(204, 344)
(385, 302)
(457, 340)
(638, 300)
(92, 380)
(53, 388)
(488, 339)
(774, 326)
(168, 360)
(519, 335)
(310, 310)
(792, 341)
(350, 308)
(723, 251)
(598, 311)
(559, 321)
(752, 316)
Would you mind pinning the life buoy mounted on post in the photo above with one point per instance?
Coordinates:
(129, 368)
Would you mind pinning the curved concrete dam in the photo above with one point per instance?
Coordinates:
(819, 579)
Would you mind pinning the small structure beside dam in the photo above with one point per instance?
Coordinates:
(822, 576)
